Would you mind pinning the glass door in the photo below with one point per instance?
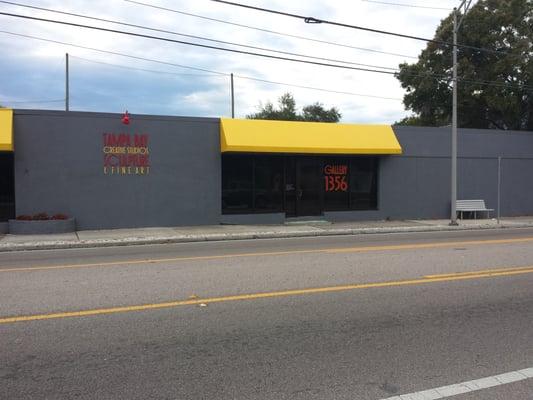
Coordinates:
(290, 192)
(308, 193)
(303, 194)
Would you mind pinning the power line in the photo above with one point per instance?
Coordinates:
(481, 82)
(264, 55)
(313, 20)
(270, 31)
(241, 77)
(406, 5)
(114, 53)
(185, 66)
(140, 69)
(32, 101)
(194, 36)
(318, 89)
(244, 77)
(246, 26)
(205, 46)
(238, 51)
(494, 83)
(218, 48)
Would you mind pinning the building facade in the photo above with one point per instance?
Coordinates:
(177, 171)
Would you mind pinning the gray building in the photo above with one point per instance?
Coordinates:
(171, 171)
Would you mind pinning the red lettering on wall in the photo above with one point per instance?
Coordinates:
(126, 154)
(140, 140)
(335, 179)
(335, 169)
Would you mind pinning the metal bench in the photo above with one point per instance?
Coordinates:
(474, 206)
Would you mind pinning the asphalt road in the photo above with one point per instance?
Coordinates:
(357, 317)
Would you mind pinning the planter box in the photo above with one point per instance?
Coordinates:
(17, 227)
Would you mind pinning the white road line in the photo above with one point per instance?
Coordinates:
(467, 387)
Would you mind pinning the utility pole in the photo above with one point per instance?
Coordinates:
(454, 124)
(67, 95)
(499, 186)
(232, 98)
(456, 25)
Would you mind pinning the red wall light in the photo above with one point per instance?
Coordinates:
(126, 118)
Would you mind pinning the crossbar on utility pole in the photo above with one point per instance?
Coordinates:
(67, 95)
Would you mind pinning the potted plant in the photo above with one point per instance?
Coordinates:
(41, 223)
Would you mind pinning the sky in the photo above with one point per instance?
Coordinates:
(33, 71)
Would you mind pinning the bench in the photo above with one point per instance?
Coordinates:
(474, 206)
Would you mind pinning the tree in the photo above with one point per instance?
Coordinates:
(495, 88)
(287, 111)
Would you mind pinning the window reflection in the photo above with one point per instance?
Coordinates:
(268, 183)
(237, 184)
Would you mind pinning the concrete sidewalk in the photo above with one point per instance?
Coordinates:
(125, 237)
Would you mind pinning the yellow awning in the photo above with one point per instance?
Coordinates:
(261, 136)
(6, 129)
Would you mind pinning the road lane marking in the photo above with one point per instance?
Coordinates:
(156, 260)
(478, 272)
(468, 386)
(256, 296)
(361, 249)
(431, 245)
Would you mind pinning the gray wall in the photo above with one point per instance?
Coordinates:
(252, 219)
(416, 185)
(59, 169)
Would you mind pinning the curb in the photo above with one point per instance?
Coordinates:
(136, 241)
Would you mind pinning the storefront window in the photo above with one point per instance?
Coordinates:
(268, 183)
(237, 184)
(252, 184)
(7, 187)
(297, 185)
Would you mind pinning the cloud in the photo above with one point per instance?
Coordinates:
(36, 69)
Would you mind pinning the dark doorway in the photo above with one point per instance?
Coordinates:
(7, 186)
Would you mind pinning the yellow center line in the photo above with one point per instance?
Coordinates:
(360, 249)
(255, 296)
(431, 245)
(485, 271)
(155, 260)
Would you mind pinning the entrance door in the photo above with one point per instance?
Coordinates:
(302, 186)
(7, 186)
